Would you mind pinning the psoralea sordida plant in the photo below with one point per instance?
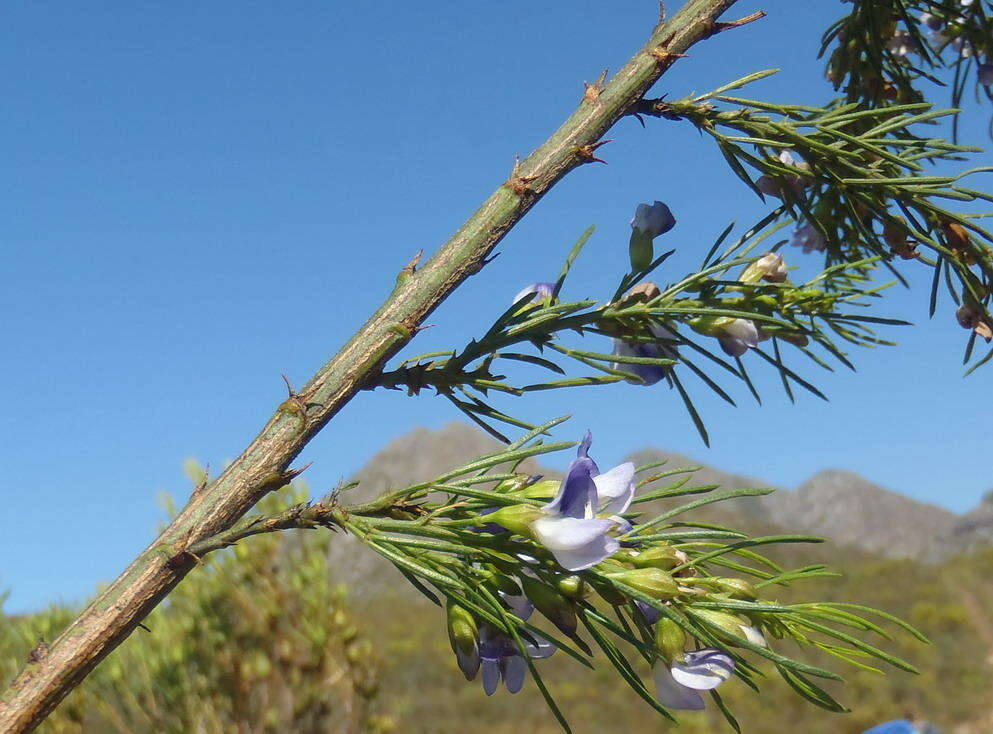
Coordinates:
(523, 567)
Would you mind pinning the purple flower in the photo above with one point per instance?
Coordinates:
(809, 238)
(738, 336)
(575, 526)
(677, 685)
(543, 291)
(775, 185)
(984, 72)
(502, 661)
(649, 373)
(652, 220)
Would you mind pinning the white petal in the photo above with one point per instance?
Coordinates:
(702, 673)
(569, 533)
(753, 635)
(615, 488)
(671, 694)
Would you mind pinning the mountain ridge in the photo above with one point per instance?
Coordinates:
(843, 506)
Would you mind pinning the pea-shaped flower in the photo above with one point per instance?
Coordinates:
(650, 221)
(576, 525)
(542, 291)
(662, 349)
(678, 684)
(653, 220)
(738, 336)
(809, 238)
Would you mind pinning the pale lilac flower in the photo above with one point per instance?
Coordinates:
(738, 336)
(774, 185)
(542, 291)
(677, 685)
(984, 72)
(809, 238)
(901, 44)
(576, 524)
(649, 373)
(652, 220)
(502, 661)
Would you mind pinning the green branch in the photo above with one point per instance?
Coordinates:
(263, 465)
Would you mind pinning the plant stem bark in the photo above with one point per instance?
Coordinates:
(214, 508)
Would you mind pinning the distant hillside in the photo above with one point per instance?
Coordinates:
(840, 505)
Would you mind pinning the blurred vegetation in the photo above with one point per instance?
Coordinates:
(258, 640)
(261, 640)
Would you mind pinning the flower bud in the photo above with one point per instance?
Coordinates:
(670, 639)
(972, 317)
(732, 625)
(645, 291)
(664, 557)
(546, 489)
(956, 235)
(896, 237)
(736, 588)
(770, 267)
(516, 518)
(572, 587)
(649, 222)
(556, 608)
(463, 634)
(653, 582)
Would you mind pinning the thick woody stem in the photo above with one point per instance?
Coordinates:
(109, 619)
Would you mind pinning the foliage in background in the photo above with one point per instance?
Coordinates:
(259, 640)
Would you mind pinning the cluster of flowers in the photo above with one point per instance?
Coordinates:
(942, 32)
(582, 527)
(735, 335)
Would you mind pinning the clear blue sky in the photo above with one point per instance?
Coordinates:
(200, 196)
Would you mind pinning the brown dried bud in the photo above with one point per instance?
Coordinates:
(896, 237)
(972, 317)
(797, 340)
(644, 291)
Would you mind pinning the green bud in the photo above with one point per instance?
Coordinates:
(732, 625)
(462, 630)
(736, 588)
(572, 587)
(516, 518)
(670, 639)
(653, 582)
(550, 603)
(710, 325)
(641, 250)
(664, 557)
(545, 489)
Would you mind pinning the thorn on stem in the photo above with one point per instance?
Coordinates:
(587, 153)
(411, 267)
(592, 91)
(142, 626)
(518, 183)
(719, 26)
(291, 474)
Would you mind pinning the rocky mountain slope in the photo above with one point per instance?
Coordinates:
(840, 505)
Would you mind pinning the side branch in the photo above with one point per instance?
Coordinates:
(262, 467)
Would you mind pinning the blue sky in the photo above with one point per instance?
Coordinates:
(200, 196)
